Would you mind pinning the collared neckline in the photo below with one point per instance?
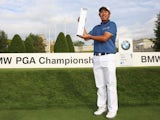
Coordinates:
(104, 22)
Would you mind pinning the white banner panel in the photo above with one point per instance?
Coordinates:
(126, 59)
(125, 45)
(146, 59)
(45, 60)
(72, 60)
(126, 51)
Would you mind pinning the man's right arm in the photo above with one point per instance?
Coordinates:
(106, 36)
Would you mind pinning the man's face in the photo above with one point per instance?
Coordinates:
(104, 15)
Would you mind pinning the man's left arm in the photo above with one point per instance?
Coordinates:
(106, 36)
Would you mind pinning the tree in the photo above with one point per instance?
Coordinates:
(38, 43)
(157, 33)
(51, 48)
(3, 42)
(17, 45)
(29, 45)
(78, 43)
(70, 43)
(61, 44)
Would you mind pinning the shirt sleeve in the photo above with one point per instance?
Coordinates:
(111, 28)
(91, 32)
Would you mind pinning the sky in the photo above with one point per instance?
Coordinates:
(135, 19)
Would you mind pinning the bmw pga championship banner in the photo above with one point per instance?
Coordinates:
(45, 60)
(75, 60)
(126, 52)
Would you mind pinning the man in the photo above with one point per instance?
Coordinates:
(104, 66)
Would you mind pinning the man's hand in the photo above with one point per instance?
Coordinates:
(86, 36)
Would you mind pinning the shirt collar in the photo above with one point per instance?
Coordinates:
(105, 22)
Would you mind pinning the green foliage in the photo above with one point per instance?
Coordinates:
(157, 33)
(61, 44)
(3, 42)
(38, 43)
(17, 45)
(70, 43)
(29, 45)
(78, 43)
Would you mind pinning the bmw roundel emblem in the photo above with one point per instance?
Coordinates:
(125, 45)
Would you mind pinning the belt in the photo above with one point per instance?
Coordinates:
(100, 54)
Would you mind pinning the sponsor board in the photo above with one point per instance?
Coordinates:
(72, 60)
(126, 52)
(45, 60)
(146, 59)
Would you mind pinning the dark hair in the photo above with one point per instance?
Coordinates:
(104, 8)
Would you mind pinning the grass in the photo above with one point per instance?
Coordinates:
(81, 113)
(69, 94)
(139, 85)
(43, 88)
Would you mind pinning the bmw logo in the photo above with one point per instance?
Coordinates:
(125, 45)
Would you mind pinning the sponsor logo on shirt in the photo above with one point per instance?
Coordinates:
(106, 28)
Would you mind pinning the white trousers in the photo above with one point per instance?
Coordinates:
(104, 68)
